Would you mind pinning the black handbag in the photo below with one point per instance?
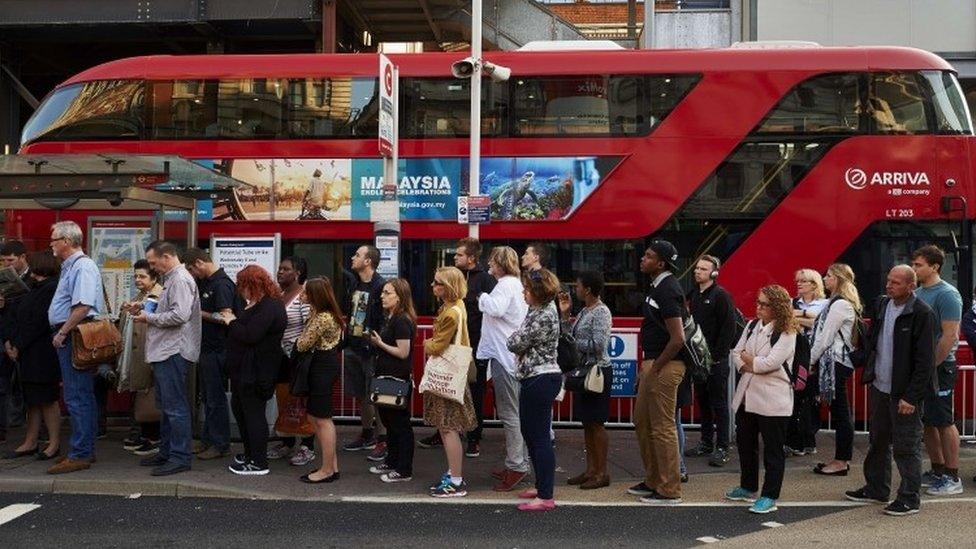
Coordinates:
(300, 365)
(389, 391)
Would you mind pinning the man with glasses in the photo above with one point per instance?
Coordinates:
(79, 296)
(466, 258)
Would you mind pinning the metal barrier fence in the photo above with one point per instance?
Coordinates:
(621, 408)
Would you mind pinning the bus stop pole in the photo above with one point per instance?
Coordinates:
(474, 170)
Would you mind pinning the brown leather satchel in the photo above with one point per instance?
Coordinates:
(95, 342)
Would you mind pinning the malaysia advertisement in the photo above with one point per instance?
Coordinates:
(341, 189)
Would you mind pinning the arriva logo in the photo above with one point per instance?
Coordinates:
(857, 179)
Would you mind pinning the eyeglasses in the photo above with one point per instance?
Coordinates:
(761, 303)
(437, 283)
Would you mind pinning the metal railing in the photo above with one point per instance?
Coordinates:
(622, 407)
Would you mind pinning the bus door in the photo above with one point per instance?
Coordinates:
(955, 177)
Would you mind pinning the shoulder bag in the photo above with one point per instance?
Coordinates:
(447, 375)
(390, 392)
(95, 341)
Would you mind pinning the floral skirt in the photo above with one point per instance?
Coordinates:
(449, 415)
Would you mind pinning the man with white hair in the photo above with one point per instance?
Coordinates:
(79, 296)
(900, 360)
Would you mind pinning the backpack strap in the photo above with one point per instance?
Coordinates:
(751, 327)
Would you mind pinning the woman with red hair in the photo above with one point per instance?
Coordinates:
(253, 356)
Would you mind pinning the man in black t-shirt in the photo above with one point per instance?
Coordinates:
(364, 310)
(217, 298)
(713, 310)
(661, 372)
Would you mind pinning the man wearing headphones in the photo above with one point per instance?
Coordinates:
(713, 310)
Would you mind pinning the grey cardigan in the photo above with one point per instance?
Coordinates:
(591, 329)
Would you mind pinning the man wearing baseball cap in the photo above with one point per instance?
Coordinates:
(661, 372)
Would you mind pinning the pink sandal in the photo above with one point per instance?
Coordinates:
(543, 505)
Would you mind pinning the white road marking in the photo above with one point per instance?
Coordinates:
(11, 512)
(772, 524)
(708, 539)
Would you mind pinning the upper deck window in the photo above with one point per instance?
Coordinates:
(105, 109)
(824, 105)
(951, 111)
(441, 107)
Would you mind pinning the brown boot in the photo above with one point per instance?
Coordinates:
(578, 479)
(69, 466)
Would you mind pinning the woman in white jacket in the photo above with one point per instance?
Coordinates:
(833, 334)
(503, 310)
(763, 398)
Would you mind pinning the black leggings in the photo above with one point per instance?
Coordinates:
(399, 438)
(840, 415)
(248, 408)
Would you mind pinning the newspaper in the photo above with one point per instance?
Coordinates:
(10, 283)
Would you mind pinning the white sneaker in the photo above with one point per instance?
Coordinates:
(303, 456)
(393, 476)
(381, 469)
(945, 486)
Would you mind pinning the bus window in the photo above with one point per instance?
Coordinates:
(823, 104)
(562, 105)
(184, 109)
(897, 104)
(951, 113)
(440, 107)
(330, 107)
(105, 109)
(250, 108)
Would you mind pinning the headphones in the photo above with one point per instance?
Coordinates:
(716, 264)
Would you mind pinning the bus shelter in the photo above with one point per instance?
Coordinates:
(118, 181)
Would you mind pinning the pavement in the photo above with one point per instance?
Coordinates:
(812, 506)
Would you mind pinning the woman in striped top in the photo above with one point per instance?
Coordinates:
(292, 272)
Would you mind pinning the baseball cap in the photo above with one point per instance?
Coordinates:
(666, 251)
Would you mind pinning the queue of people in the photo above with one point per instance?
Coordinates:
(289, 338)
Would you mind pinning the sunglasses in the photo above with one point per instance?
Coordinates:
(437, 282)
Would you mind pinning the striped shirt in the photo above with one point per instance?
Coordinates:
(297, 313)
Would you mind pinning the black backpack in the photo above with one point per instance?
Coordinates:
(799, 370)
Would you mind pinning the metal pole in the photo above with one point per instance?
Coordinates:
(648, 25)
(191, 227)
(474, 172)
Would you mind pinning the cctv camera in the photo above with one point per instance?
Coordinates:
(497, 73)
(464, 68)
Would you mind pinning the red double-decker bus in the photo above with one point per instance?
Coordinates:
(771, 159)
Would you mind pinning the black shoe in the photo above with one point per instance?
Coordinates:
(719, 457)
(473, 450)
(169, 469)
(132, 442)
(154, 461)
(240, 459)
(684, 478)
(331, 478)
(148, 448)
(249, 468)
(861, 495)
(899, 509)
(640, 490)
(819, 469)
(433, 441)
(14, 454)
(703, 449)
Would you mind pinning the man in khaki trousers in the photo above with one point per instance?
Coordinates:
(661, 372)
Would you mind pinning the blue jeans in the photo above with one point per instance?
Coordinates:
(213, 387)
(176, 430)
(79, 397)
(681, 441)
(535, 419)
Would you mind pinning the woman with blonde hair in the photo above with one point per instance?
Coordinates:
(449, 417)
(802, 432)
(764, 397)
(503, 310)
(833, 339)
